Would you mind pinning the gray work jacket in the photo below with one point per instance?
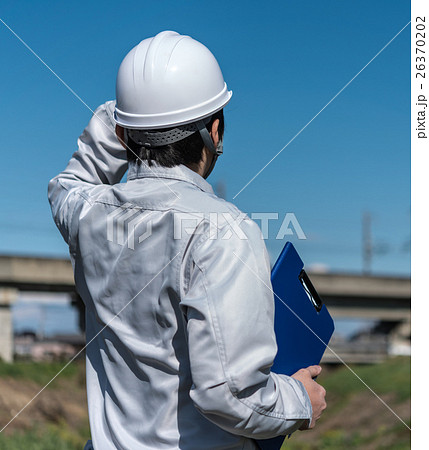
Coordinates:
(179, 307)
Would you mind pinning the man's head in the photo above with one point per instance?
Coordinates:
(170, 95)
(189, 151)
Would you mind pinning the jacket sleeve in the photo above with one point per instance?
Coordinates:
(231, 339)
(100, 159)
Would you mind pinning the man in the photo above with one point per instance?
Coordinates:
(180, 336)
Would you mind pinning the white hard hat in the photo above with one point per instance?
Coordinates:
(168, 80)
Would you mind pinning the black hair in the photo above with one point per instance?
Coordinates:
(187, 151)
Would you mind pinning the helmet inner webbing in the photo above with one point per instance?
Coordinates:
(155, 138)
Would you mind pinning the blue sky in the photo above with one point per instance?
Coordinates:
(284, 61)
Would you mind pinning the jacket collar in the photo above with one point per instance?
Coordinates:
(180, 172)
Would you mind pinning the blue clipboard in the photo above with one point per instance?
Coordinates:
(302, 322)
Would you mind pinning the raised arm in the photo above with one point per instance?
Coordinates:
(100, 159)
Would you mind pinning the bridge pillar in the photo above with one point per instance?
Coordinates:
(7, 297)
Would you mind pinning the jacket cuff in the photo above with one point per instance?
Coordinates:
(302, 395)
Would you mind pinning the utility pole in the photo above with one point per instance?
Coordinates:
(367, 247)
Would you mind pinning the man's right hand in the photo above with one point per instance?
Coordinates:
(315, 392)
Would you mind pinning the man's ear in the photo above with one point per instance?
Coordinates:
(215, 132)
(120, 135)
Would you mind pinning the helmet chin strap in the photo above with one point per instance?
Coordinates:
(208, 142)
(219, 149)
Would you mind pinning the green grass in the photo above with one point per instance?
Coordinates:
(340, 440)
(49, 437)
(393, 375)
(40, 373)
(45, 434)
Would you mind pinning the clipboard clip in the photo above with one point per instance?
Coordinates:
(310, 290)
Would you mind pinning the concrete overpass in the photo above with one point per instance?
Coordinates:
(19, 273)
(36, 274)
(368, 297)
(386, 299)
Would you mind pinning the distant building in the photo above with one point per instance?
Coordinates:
(61, 347)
